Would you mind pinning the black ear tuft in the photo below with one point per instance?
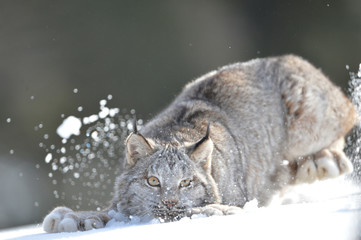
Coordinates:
(208, 130)
(201, 151)
(205, 138)
(135, 128)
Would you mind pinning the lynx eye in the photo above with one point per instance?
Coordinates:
(153, 181)
(185, 183)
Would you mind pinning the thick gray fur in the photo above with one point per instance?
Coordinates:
(273, 122)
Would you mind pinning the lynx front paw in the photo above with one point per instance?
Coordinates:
(63, 219)
(214, 210)
(51, 223)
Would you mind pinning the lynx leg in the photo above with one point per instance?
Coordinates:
(317, 113)
(318, 116)
(63, 219)
(330, 162)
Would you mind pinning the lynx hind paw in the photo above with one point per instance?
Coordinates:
(327, 168)
(324, 165)
(214, 210)
(306, 171)
(332, 163)
(343, 162)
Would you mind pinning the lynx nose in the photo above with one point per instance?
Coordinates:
(170, 203)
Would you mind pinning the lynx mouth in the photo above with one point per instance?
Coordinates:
(167, 215)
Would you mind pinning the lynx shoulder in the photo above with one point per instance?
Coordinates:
(224, 140)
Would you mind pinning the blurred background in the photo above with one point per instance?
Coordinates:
(60, 58)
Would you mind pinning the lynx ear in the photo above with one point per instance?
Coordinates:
(201, 152)
(137, 147)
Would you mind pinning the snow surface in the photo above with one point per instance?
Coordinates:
(326, 210)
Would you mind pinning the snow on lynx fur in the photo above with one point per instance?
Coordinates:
(225, 141)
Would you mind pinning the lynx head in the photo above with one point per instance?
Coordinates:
(164, 181)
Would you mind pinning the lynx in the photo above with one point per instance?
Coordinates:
(244, 132)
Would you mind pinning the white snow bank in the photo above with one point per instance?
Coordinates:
(288, 222)
(337, 217)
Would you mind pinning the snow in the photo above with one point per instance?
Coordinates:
(48, 157)
(90, 119)
(70, 126)
(326, 210)
(104, 112)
